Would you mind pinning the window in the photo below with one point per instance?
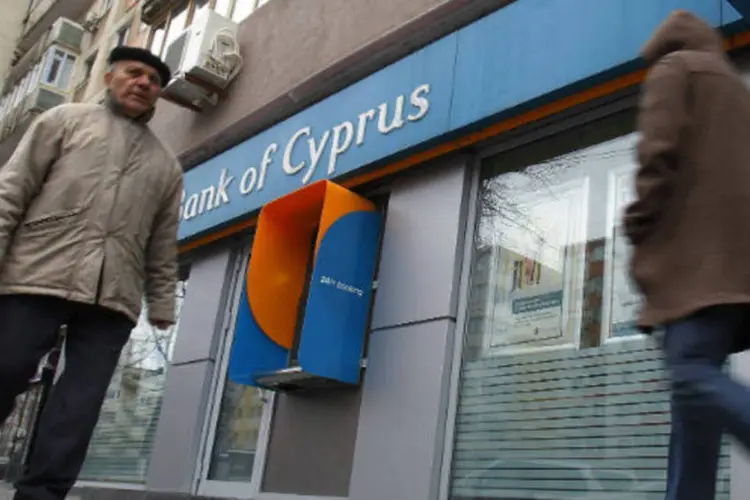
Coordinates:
(123, 35)
(224, 7)
(53, 68)
(7, 108)
(168, 28)
(177, 22)
(17, 95)
(59, 69)
(237, 432)
(157, 39)
(238, 421)
(242, 9)
(36, 74)
(83, 82)
(121, 447)
(560, 396)
(89, 67)
(200, 7)
(171, 25)
(23, 87)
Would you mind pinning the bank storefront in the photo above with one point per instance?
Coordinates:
(420, 278)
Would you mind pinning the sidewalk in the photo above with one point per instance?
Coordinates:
(6, 492)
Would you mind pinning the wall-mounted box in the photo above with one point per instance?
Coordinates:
(305, 309)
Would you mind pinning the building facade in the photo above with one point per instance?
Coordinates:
(10, 29)
(494, 141)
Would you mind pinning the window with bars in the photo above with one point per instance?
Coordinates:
(24, 88)
(181, 15)
(560, 396)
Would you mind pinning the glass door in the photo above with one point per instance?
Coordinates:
(237, 428)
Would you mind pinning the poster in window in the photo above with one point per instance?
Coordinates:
(536, 271)
(625, 300)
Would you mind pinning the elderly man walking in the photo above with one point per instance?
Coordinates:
(690, 227)
(89, 210)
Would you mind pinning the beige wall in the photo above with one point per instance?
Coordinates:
(38, 12)
(298, 51)
(11, 24)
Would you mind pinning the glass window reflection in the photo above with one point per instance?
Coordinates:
(123, 439)
(561, 397)
(237, 432)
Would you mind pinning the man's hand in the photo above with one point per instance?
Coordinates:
(160, 324)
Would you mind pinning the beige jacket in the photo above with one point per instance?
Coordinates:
(89, 210)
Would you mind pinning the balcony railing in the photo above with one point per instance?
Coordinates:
(63, 32)
(46, 85)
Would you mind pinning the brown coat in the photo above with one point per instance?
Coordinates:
(690, 223)
(89, 210)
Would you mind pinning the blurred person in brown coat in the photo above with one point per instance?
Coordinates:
(690, 228)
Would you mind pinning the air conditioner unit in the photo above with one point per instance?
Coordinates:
(66, 33)
(206, 51)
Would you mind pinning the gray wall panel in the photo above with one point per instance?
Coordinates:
(423, 233)
(197, 338)
(399, 426)
(404, 404)
(312, 444)
(175, 453)
(402, 422)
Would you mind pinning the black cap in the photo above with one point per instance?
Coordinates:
(125, 53)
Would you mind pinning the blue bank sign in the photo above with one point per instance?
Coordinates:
(507, 59)
(395, 109)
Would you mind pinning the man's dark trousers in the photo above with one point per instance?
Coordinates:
(705, 400)
(29, 326)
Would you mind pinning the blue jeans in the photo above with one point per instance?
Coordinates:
(705, 401)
